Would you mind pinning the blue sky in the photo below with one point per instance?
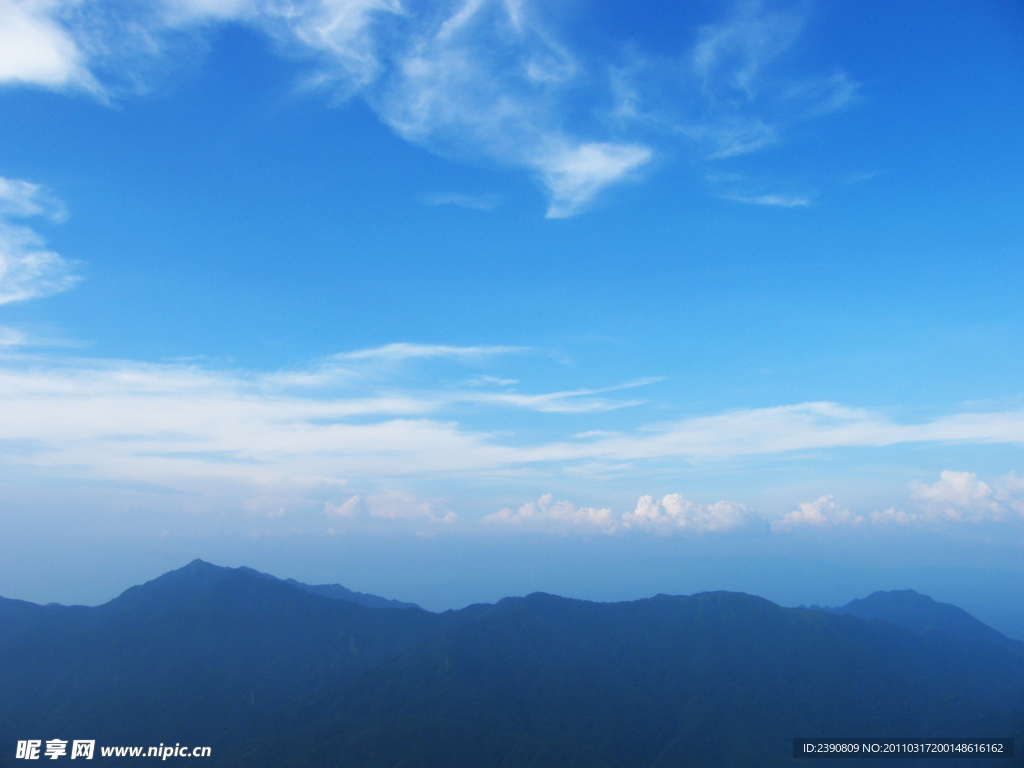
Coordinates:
(744, 277)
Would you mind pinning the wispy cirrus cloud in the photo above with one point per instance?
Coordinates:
(484, 81)
(747, 103)
(123, 414)
(27, 269)
(570, 401)
(193, 428)
(803, 426)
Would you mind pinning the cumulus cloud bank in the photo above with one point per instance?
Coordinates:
(670, 515)
(818, 513)
(486, 81)
(674, 514)
(549, 516)
(391, 506)
(961, 493)
(957, 497)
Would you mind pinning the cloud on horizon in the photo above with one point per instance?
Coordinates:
(674, 515)
(821, 512)
(226, 435)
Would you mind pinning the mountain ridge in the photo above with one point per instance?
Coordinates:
(270, 674)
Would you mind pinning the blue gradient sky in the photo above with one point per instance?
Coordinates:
(737, 278)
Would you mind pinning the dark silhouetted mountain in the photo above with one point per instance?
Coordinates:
(714, 679)
(193, 653)
(338, 592)
(268, 674)
(907, 608)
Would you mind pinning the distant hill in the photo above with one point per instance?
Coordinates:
(907, 608)
(270, 674)
(338, 592)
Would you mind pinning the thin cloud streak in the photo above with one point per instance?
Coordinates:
(780, 201)
(804, 426)
(402, 351)
(472, 202)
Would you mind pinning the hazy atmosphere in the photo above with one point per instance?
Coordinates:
(448, 301)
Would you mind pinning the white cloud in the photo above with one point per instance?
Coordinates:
(675, 514)
(671, 515)
(574, 175)
(825, 95)
(472, 202)
(219, 435)
(819, 513)
(489, 81)
(404, 506)
(780, 201)
(262, 444)
(36, 50)
(803, 426)
(962, 489)
(1010, 493)
(957, 496)
(746, 102)
(547, 515)
(731, 56)
(349, 508)
(571, 401)
(20, 198)
(124, 418)
(27, 269)
(483, 380)
(392, 506)
(402, 351)
(11, 337)
(893, 516)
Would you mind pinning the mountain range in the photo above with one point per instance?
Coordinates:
(271, 672)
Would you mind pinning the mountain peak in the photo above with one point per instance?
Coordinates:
(907, 608)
